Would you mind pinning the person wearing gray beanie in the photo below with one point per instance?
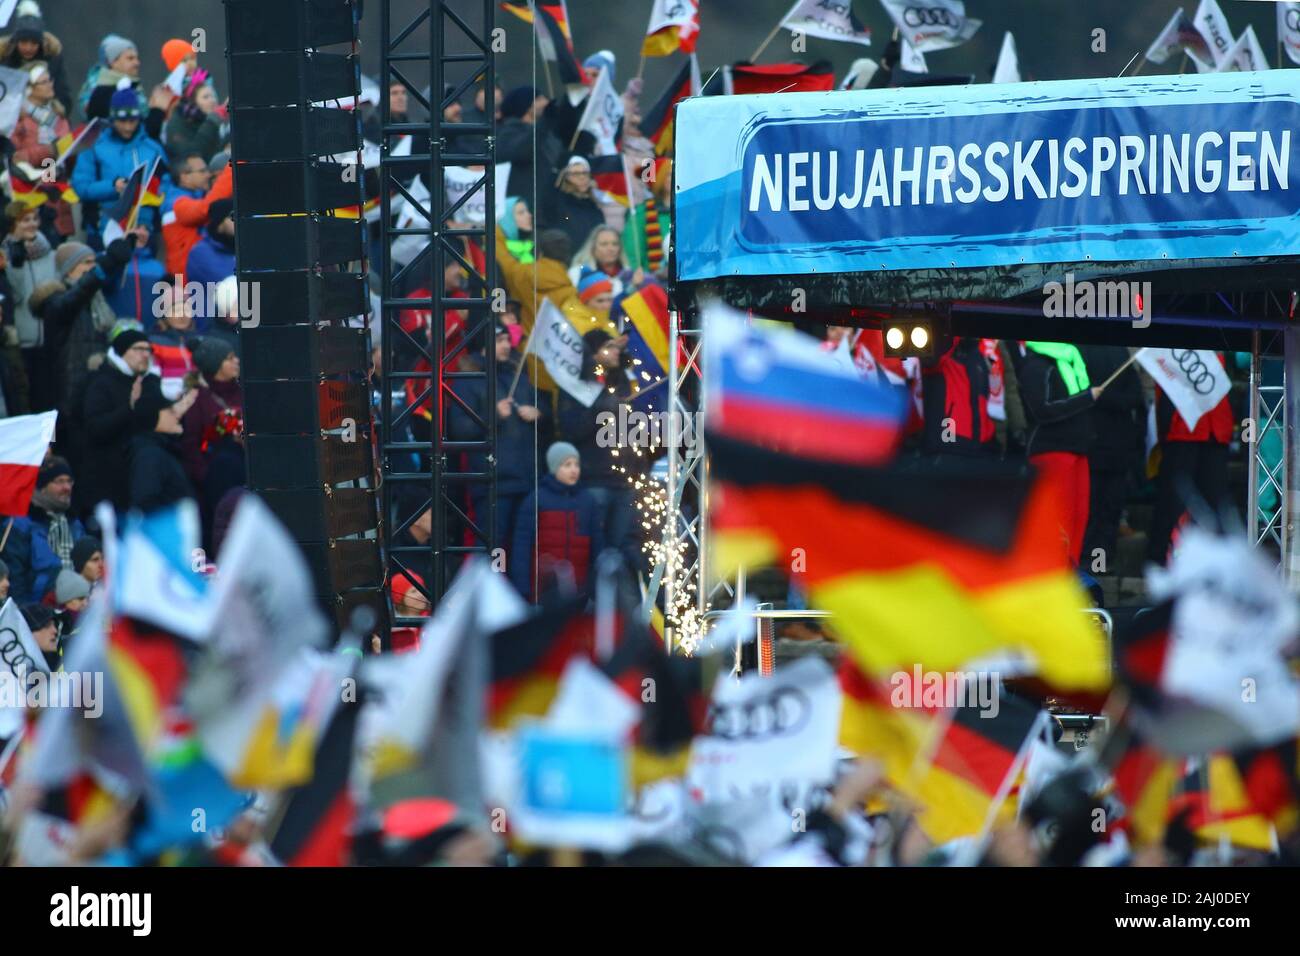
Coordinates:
(209, 355)
(71, 587)
(558, 454)
(68, 255)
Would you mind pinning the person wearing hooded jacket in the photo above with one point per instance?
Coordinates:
(156, 478)
(31, 264)
(102, 171)
(213, 256)
(559, 530)
(1058, 398)
(571, 207)
(517, 224)
(28, 40)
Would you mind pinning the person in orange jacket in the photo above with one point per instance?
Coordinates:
(188, 215)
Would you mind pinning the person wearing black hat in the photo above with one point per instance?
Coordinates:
(217, 391)
(45, 629)
(40, 544)
(520, 420)
(156, 478)
(533, 125)
(112, 391)
(29, 41)
(88, 559)
(213, 256)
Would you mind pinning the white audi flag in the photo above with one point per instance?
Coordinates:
(827, 19)
(1213, 25)
(603, 117)
(559, 345)
(1008, 68)
(1246, 55)
(1193, 379)
(1288, 29)
(911, 59)
(932, 24)
(1180, 36)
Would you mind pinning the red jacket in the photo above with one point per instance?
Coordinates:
(1214, 427)
(191, 215)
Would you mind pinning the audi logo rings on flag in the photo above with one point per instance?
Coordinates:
(13, 654)
(928, 17)
(784, 711)
(1198, 375)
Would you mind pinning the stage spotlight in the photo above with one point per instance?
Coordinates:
(910, 336)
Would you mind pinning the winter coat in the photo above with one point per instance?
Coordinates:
(1119, 417)
(34, 143)
(182, 136)
(581, 426)
(211, 260)
(113, 158)
(107, 418)
(1058, 421)
(516, 449)
(563, 523)
(515, 146)
(77, 320)
(575, 216)
(156, 478)
(50, 53)
(33, 565)
(26, 273)
(184, 217)
(130, 293)
(211, 400)
(955, 391)
(1214, 427)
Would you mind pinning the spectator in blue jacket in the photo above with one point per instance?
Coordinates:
(40, 545)
(130, 294)
(558, 534)
(103, 170)
(213, 256)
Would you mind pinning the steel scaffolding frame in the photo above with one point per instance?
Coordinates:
(458, 56)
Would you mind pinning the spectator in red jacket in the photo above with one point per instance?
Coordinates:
(955, 396)
(181, 229)
(40, 125)
(558, 534)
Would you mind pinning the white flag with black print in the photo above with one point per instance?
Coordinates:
(827, 20)
(1288, 29)
(932, 24)
(1008, 68)
(1246, 55)
(1213, 25)
(559, 345)
(603, 117)
(1180, 36)
(911, 59)
(13, 93)
(1193, 379)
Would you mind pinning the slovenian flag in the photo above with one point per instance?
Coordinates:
(778, 388)
(23, 441)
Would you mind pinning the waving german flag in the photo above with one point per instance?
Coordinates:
(917, 565)
(528, 659)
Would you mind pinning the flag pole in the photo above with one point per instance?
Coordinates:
(1004, 788)
(8, 527)
(527, 345)
(640, 72)
(763, 46)
(1116, 374)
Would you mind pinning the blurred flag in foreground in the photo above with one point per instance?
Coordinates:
(780, 389)
(23, 442)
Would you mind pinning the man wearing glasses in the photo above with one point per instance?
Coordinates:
(111, 394)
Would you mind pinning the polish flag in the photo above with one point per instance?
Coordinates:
(23, 440)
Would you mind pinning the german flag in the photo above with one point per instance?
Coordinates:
(558, 12)
(149, 671)
(152, 192)
(1212, 801)
(610, 176)
(1270, 778)
(121, 215)
(955, 765)
(28, 193)
(528, 659)
(1144, 781)
(82, 138)
(917, 564)
(556, 46)
(657, 122)
(782, 78)
(316, 819)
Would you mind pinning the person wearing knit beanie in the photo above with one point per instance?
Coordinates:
(175, 51)
(124, 105)
(88, 557)
(596, 290)
(558, 454)
(210, 354)
(53, 469)
(518, 102)
(112, 47)
(127, 338)
(68, 255)
(71, 590)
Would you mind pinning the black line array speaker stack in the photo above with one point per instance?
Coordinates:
(307, 417)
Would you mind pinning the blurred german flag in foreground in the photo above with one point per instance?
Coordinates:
(940, 568)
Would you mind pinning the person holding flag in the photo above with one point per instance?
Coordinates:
(30, 265)
(41, 126)
(104, 171)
